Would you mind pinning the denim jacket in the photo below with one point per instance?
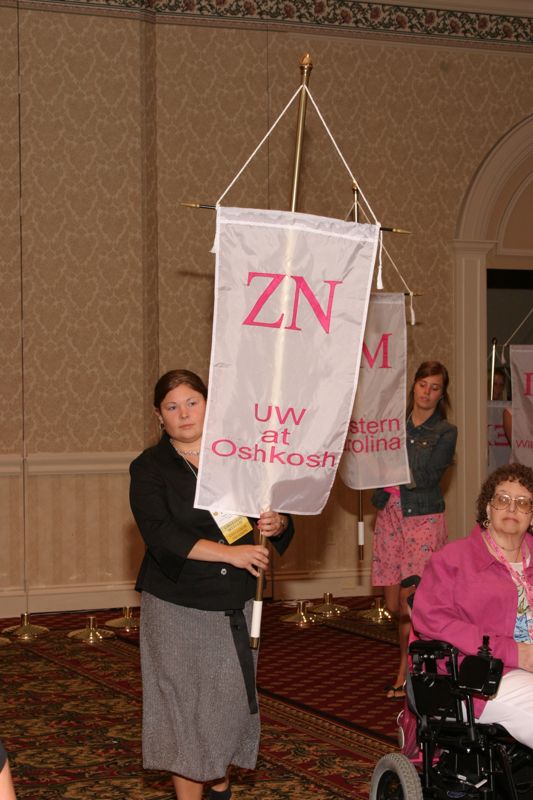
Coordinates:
(430, 450)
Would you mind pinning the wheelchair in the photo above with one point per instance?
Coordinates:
(452, 755)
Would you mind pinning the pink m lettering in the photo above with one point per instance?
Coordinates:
(383, 345)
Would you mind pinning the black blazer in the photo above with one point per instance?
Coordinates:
(161, 496)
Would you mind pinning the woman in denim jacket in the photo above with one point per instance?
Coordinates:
(410, 523)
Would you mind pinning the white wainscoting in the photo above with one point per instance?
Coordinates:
(69, 541)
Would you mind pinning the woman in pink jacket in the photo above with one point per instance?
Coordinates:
(483, 585)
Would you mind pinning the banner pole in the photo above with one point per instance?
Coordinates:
(355, 212)
(361, 520)
(255, 631)
(493, 362)
(306, 65)
(361, 529)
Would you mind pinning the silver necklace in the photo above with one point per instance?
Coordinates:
(188, 463)
(184, 452)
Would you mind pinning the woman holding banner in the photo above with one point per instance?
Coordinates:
(197, 579)
(410, 523)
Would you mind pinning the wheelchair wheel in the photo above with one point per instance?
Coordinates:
(395, 778)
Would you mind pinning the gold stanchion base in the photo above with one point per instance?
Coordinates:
(328, 608)
(378, 614)
(302, 618)
(91, 634)
(127, 622)
(26, 631)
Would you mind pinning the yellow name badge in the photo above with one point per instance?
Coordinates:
(233, 526)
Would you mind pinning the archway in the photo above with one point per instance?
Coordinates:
(491, 197)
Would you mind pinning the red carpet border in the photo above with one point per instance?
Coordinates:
(331, 672)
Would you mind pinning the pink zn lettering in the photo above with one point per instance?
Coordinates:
(301, 286)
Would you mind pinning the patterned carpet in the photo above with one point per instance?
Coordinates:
(70, 714)
(331, 671)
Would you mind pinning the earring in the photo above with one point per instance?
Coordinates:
(486, 523)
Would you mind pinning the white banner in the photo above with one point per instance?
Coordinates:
(375, 452)
(522, 383)
(499, 449)
(291, 299)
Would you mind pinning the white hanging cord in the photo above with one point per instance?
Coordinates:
(323, 121)
(511, 337)
(267, 134)
(397, 270)
(379, 276)
(379, 279)
(349, 214)
(502, 356)
(409, 291)
(263, 140)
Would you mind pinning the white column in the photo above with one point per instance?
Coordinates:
(471, 375)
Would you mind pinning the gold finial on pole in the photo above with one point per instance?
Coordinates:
(198, 205)
(355, 210)
(306, 65)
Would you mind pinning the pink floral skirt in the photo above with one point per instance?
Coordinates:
(402, 546)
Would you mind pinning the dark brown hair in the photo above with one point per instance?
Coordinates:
(425, 370)
(509, 472)
(177, 377)
(502, 373)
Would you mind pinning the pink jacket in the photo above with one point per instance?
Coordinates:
(465, 593)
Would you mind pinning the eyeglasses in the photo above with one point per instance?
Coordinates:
(501, 501)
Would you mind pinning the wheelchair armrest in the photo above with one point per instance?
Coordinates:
(480, 674)
(433, 648)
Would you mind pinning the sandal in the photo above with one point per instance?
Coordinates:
(225, 794)
(395, 692)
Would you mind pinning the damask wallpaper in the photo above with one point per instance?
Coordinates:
(81, 231)
(10, 294)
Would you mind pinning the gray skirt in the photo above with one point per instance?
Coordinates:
(196, 719)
